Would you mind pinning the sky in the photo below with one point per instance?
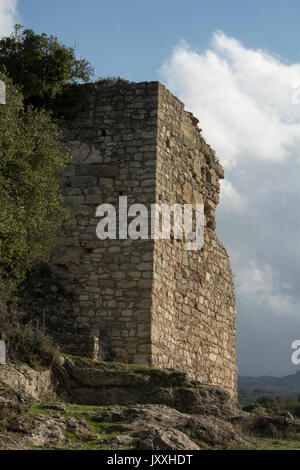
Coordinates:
(236, 66)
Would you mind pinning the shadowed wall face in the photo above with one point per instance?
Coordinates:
(111, 130)
(144, 301)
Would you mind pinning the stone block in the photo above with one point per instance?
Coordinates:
(2, 92)
(79, 181)
(2, 352)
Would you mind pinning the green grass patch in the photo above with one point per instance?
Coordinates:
(83, 407)
(37, 409)
(71, 437)
(275, 444)
(44, 447)
(106, 430)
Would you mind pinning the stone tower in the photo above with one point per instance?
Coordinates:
(143, 301)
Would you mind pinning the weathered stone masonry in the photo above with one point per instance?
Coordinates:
(144, 301)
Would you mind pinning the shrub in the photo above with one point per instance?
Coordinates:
(40, 65)
(31, 157)
(27, 342)
(273, 405)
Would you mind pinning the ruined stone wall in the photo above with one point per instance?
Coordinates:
(193, 312)
(144, 301)
(111, 130)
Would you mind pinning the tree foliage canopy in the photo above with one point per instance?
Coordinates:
(40, 65)
(275, 404)
(31, 157)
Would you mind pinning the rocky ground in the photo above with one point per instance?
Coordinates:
(83, 404)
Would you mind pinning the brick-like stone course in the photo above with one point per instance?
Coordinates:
(149, 301)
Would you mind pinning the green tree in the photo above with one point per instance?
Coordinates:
(31, 157)
(40, 65)
(274, 404)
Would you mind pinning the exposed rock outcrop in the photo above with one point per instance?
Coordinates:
(23, 379)
(161, 427)
(100, 383)
(118, 407)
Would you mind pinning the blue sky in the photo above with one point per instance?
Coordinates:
(236, 66)
(132, 38)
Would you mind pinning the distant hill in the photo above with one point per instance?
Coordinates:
(251, 388)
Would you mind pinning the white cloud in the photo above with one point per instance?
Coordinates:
(263, 284)
(8, 16)
(230, 199)
(243, 98)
